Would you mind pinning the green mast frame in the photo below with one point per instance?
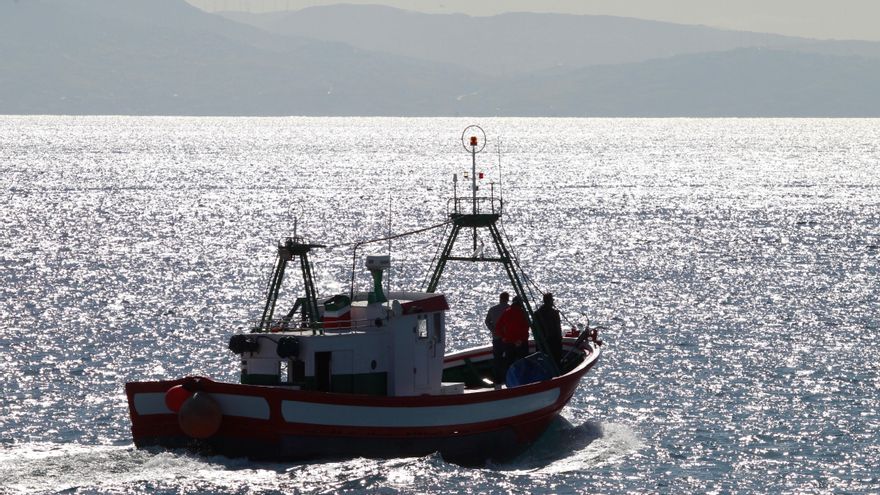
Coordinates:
(293, 247)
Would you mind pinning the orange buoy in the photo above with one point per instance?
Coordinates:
(175, 397)
(200, 416)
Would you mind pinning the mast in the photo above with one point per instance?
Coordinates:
(483, 215)
(473, 143)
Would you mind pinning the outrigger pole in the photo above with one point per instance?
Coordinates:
(479, 219)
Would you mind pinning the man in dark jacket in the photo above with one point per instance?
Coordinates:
(547, 318)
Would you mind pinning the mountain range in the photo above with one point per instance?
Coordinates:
(165, 57)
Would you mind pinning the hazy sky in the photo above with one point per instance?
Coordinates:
(841, 19)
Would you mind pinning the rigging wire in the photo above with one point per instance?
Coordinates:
(358, 244)
(519, 267)
(532, 282)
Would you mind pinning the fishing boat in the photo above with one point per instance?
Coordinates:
(366, 373)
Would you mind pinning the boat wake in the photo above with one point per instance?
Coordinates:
(565, 447)
(369, 475)
(53, 468)
(75, 468)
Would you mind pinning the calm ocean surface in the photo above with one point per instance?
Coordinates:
(734, 262)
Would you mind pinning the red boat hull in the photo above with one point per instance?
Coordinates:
(278, 423)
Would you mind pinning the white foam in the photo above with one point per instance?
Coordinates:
(566, 448)
(614, 443)
(43, 468)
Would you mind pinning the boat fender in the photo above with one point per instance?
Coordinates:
(240, 344)
(176, 396)
(288, 347)
(200, 416)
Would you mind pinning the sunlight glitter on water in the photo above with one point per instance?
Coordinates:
(734, 263)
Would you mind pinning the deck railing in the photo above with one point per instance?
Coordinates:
(335, 326)
(484, 205)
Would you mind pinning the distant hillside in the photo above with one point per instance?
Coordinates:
(521, 43)
(749, 82)
(164, 57)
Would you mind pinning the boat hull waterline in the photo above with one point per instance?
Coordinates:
(279, 423)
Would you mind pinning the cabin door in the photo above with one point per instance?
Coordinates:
(322, 371)
(421, 360)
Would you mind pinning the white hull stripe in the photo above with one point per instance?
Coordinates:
(244, 406)
(152, 403)
(428, 416)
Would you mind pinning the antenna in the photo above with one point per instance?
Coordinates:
(455, 192)
(472, 142)
(388, 280)
(295, 210)
(500, 189)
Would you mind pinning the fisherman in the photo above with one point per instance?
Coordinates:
(547, 317)
(497, 347)
(513, 328)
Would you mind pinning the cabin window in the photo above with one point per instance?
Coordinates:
(423, 328)
(284, 374)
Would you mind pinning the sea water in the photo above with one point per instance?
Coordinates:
(732, 263)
